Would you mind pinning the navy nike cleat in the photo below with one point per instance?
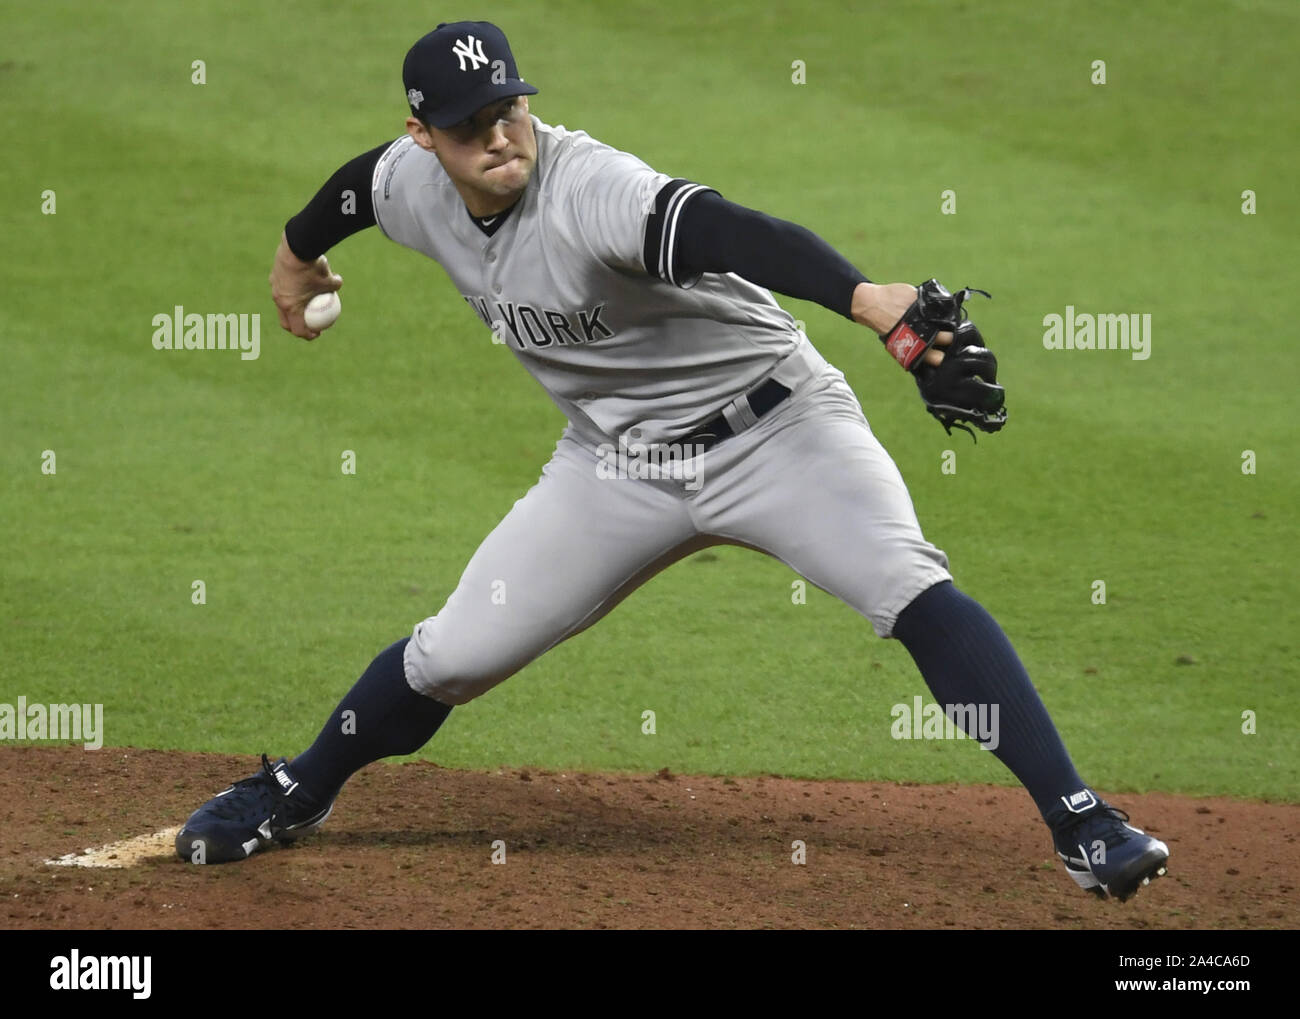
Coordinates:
(250, 815)
(1104, 854)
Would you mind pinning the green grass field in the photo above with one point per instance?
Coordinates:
(181, 466)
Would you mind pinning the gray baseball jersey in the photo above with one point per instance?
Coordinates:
(626, 347)
(564, 284)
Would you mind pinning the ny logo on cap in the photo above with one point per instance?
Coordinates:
(471, 48)
(415, 97)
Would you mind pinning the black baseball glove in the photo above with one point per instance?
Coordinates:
(962, 389)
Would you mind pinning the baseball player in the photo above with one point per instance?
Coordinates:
(698, 414)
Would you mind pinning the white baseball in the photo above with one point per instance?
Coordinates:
(322, 310)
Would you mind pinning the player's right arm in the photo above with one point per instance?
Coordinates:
(342, 207)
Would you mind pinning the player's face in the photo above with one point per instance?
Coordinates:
(489, 156)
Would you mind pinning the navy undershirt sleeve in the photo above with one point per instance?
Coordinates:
(323, 222)
(695, 230)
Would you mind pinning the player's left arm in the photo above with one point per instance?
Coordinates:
(702, 232)
(695, 230)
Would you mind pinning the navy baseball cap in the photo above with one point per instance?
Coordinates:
(459, 68)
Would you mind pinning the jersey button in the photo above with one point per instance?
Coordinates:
(491, 256)
(496, 288)
(588, 397)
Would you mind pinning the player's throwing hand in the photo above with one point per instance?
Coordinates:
(294, 283)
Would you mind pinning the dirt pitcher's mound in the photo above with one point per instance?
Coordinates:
(415, 845)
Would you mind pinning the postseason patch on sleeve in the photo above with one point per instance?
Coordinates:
(384, 170)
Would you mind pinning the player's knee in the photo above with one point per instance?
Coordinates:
(449, 672)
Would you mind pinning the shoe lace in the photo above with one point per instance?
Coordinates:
(248, 794)
(1105, 823)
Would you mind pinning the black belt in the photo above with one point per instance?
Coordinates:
(761, 400)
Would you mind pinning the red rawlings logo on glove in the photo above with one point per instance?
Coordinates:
(904, 345)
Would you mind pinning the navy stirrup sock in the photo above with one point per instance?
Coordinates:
(381, 716)
(965, 658)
